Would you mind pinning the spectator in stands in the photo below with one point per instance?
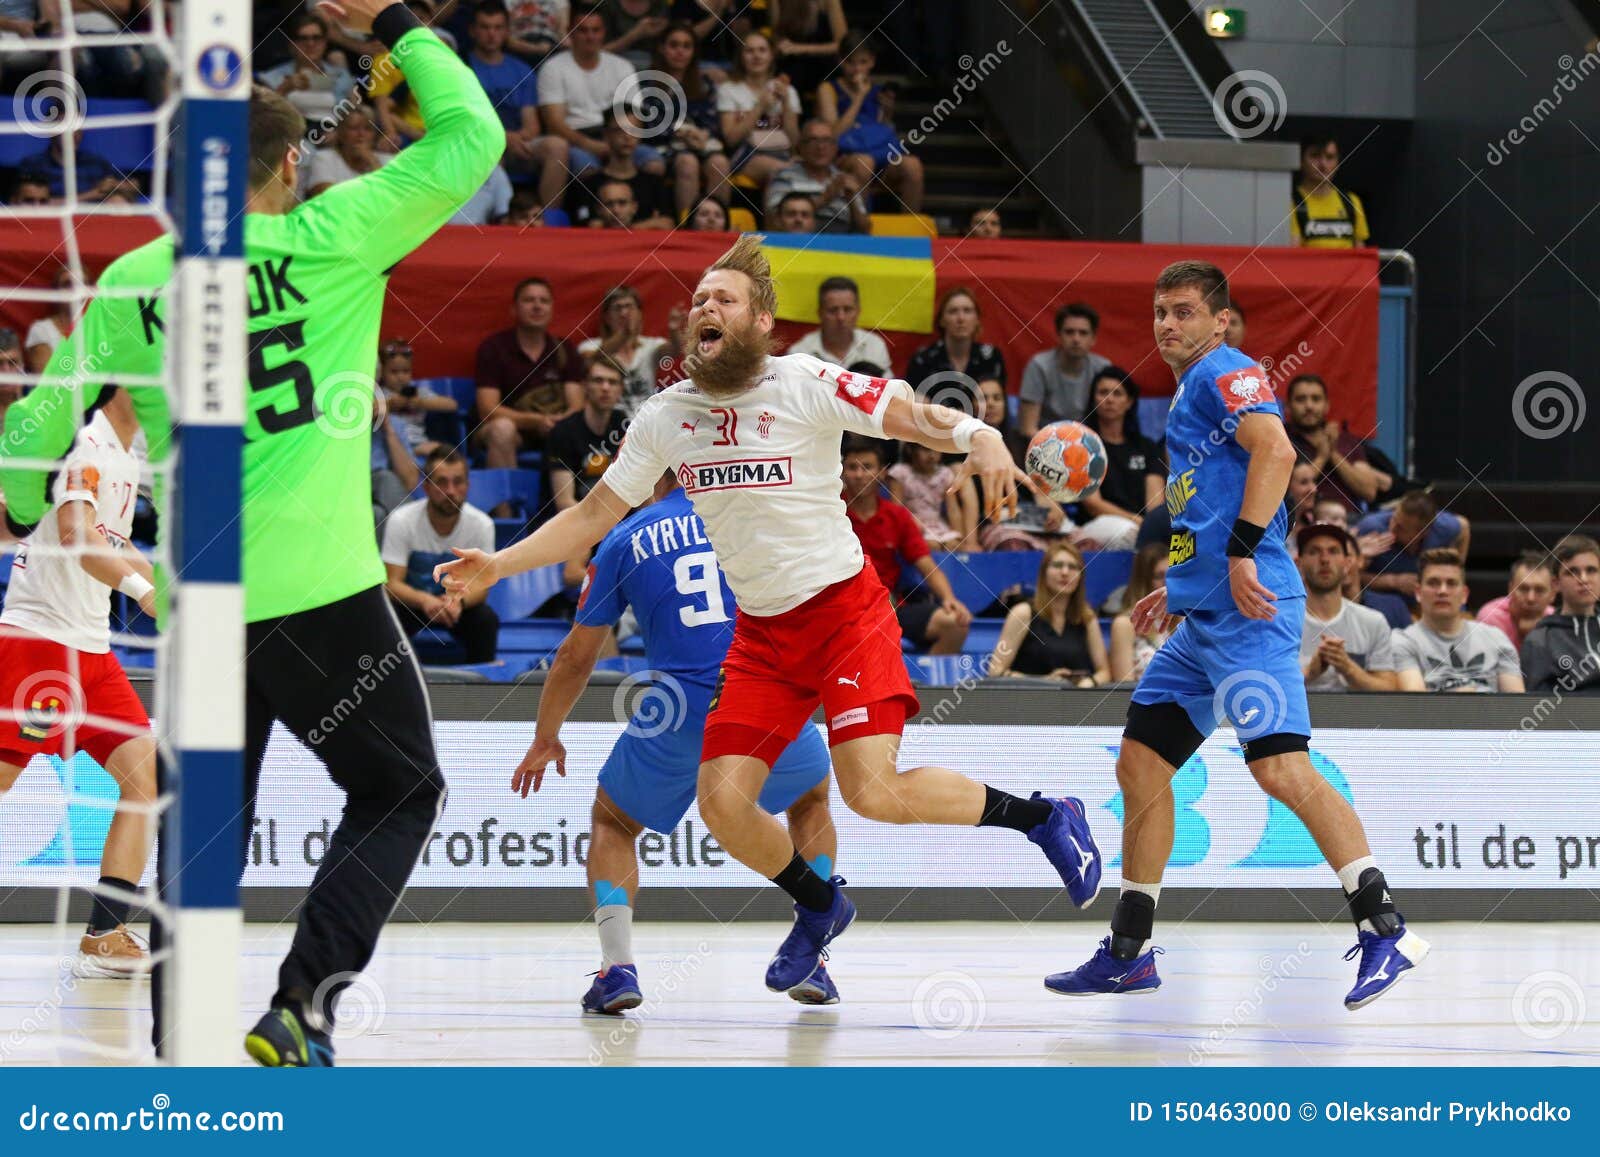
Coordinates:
(957, 359)
(1415, 525)
(644, 361)
(527, 379)
(108, 69)
(583, 445)
(49, 331)
(351, 153)
(1343, 645)
(838, 340)
(407, 401)
(796, 213)
(30, 191)
(652, 202)
(1136, 468)
(491, 204)
(1562, 653)
(709, 216)
(1235, 336)
(632, 26)
(1396, 611)
(1130, 652)
(617, 208)
(1324, 216)
(10, 363)
(840, 208)
(861, 112)
(809, 34)
(419, 536)
(930, 616)
(997, 413)
(1301, 499)
(1527, 599)
(315, 85)
(1056, 635)
(1445, 650)
(1055, 384)
(524, 212)
(1038, 521)
(97, 177)
(538, 27)
(25, 20)
(577, 89)
(759, 112)
(514, 92)
(984, 224)
(696, 160)
(921, 482)
(1339, 456)
(1330, 510)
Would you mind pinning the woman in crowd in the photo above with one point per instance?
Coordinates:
(351, 153)
(314, 84)
(709, 216)
(1055, 636)
(1136, 468)
(958, 361)
(698, 164)
(1130, 652)
(861, 111)
(809, 33)
(51, 329)
(759, 112)
(643, 359)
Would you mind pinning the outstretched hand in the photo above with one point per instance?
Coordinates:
(356, 15)
(473, 571)
(990, 463)
(529, 775)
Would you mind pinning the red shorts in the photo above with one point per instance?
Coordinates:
(53, 698)
(839, 648)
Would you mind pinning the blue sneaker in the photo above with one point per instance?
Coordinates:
(614, 990)
(801, 953)
(818, 988)
(1070, 847)
(1384, 960)
(1105, 973)
(281, 1040)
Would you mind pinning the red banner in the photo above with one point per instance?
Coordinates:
(1309, 311)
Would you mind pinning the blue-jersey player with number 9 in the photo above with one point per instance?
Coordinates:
(1235, 657)
(659, 562)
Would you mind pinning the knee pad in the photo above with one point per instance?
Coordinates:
(1166, 729)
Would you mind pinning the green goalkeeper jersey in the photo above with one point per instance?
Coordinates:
(316, 283)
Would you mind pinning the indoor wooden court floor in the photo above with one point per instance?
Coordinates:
(914, 994)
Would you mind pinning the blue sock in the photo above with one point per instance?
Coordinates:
(822, 866)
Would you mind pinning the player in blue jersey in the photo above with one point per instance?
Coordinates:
(1235, 656)
(659, 562)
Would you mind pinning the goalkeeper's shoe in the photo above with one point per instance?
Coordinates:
(283, 1040)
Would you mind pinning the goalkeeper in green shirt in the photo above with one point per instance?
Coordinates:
(326, 656)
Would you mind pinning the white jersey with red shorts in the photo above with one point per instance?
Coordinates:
(61, 689)
(763, 471)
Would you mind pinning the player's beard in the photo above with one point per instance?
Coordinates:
(733, 369)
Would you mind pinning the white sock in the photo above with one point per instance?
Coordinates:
(615, 922)
(1350, 874)
(1151, 890)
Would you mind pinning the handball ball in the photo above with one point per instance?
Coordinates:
(1066, 460)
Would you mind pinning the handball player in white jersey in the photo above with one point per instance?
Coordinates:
(61, 688)
(754, 439)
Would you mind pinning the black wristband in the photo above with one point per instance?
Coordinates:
(1244, 538)
(393, 23)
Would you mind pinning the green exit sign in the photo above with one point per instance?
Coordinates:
(1224, 23)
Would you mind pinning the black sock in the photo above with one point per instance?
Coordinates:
(1011, 811)
(808, 889)
(109, 911)
(1370, 901)
(1132, 922)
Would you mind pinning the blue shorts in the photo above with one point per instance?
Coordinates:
(580, 161)
(652, 772)
(1222, 667)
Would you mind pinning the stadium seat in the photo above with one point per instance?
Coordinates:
(903, 225)
(129, 148)
(946, 670)
(530, 459)
(982, 637)
(487, 489)
(1104, 571)
(434, 647)
(978, 579)
(532, 636)
(520, 595)
(1153, 417)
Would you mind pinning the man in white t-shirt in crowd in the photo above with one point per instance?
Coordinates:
(1445, 650)
(419, 536)
(755, 441)
(1344, 646)
(61, 688)
(1055, 384)
(1527, 597)
(838, 341)
(578, 88)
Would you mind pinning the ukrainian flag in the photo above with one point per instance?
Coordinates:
(895, 275)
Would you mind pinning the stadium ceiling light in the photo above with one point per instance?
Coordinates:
(1224, 23)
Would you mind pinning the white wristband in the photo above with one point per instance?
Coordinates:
(135, 586)
(964, 432)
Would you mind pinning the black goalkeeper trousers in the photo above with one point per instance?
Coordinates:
(342, 679)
